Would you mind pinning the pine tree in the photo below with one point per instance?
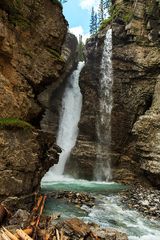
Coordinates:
(80, 49)
(92, 21)
(63, 1)
(107, 4)
(95, 28)
(101, 12)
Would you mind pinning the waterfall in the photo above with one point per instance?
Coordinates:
(68, 126)
(103, 169)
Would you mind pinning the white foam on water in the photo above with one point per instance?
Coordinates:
(109, 212)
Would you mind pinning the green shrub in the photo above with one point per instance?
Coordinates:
(14, 123)
(127, 17)
(105, 22)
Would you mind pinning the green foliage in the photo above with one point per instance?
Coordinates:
(98, 20)
(115, 10)
(119, 10)
(56, 54)
(127, 17)
(93, 22)
(14, 123)
(149, 8)
(101, 11)
(105, 22)
(15, 17)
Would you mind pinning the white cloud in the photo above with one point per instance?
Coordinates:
(88, 4)
(79, 31)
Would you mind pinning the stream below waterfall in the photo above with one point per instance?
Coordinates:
(108, 210)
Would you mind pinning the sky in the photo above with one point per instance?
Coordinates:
(78, 14)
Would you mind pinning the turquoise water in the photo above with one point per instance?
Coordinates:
(70, 184)
(107, 212)
(65, 209)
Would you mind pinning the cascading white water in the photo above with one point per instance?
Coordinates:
(103, 169)
(68, 126)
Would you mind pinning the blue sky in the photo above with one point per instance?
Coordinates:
(77, 13)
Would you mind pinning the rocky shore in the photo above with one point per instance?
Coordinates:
(77, 198)
(50, 228)
(142, 199)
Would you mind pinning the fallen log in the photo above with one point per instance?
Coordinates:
(41, 210)
(23, 235)
(28, 230)
(57, 234)
(39, 215)
(9, 234)
(35, 209)
(46, 236)
(4, 236)
(62, 235)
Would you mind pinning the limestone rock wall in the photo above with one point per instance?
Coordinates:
(51, 97)
(32, 34)
(135, 114)
(136, 63)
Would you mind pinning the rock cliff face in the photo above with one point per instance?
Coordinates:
(51, 97)
(135, 127)
(135, 62)
(30, 37)
(84, 155)
(32, 34)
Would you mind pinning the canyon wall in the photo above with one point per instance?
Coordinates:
(136, 63)
(84, 155)
(135, 113)
(34, 56)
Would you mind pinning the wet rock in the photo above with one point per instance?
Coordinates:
(74, 228)
(144, 200)
(77, 229)
(78, 199)
(22, 165)
(21, 218)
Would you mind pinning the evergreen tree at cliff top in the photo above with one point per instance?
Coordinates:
(101, 11)
(92, 22)
(63, 1)
(98, 18)
(59, 1)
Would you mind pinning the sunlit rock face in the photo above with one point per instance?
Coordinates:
(32, 34)
(31, 37)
